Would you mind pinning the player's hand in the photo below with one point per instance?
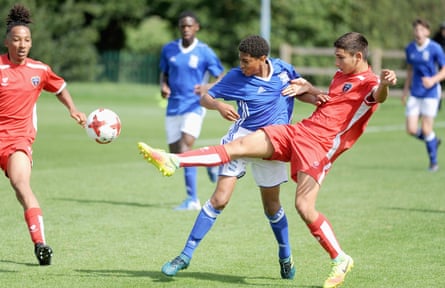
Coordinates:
(227, 111)
(321, 98)
(428, 82)
(165, 91)
(297, 87)
(388, 77)
(80, 118)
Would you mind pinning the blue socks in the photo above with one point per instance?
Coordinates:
(190, 182)
(203, 224)
(278, 223)
(431, 147)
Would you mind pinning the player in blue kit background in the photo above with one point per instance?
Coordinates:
(256, 87)
(186, 65)
(422, 90)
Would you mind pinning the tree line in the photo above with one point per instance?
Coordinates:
(71, 34)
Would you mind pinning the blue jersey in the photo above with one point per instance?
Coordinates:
(187, 67)
(259, 100)
(425, 62)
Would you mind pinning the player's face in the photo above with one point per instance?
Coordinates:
(421, 33)
(346, 62)
(188, 27)
(250, 65)
(19, 42)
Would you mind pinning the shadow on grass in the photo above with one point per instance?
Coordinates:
(120, 203)
(157, 276)
(415, 210)
(19, 263)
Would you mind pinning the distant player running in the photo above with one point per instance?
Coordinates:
(186, 65)
(422, 90)
(311, 145)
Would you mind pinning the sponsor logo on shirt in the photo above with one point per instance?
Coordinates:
(5, 81)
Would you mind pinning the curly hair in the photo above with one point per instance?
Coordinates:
(256, 46)
(18, 16)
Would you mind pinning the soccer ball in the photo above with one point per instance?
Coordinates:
(103, 125)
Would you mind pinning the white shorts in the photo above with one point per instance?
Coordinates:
(265, 172)
(422, 106)
(189, 123)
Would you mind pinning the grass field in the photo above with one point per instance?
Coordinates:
(109, 218)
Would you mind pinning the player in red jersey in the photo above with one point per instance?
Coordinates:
(311, 145)
(21, 81)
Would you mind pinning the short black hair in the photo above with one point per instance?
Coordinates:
(254, 45)
(188, 13)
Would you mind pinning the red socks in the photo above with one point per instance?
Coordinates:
(206, 156)
(34, 220)
(321, 229)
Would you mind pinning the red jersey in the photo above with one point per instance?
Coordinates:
(20, 87)
(312, 144)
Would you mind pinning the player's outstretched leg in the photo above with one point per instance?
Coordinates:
(340, 267)
(44, 253)
(172, 267)
(166, 163)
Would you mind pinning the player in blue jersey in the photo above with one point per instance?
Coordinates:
(256, 87)
(186, 65)
(422, 90)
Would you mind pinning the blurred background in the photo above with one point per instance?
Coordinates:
(120, 41)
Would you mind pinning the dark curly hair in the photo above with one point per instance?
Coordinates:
(254, 45)
(18, 16)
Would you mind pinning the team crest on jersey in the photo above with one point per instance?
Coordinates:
(35, 81)
(193, 61)
(426, 55)
(283, 77)
(347, 87)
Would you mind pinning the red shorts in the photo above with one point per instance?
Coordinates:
(8, 147)
(292, 144)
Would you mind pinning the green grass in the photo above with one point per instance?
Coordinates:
(109, 218)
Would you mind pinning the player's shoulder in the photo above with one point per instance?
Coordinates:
(280, 64)
(4, 59)
(435, 45)
(36, 64)
(171, 44)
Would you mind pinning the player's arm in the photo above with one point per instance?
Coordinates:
(305, 92)
(227, 111)
(387, 78)
(201, 89)
(429, 82)
(65, 97)
(408, 80)
(165, 89)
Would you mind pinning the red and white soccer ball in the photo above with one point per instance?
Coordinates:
(103, 125)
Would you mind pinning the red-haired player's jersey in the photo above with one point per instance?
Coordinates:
(313, 144)
(20, 87)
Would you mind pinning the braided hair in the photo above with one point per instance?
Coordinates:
(18, 16)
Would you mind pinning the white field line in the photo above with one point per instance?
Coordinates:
(401, 127)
